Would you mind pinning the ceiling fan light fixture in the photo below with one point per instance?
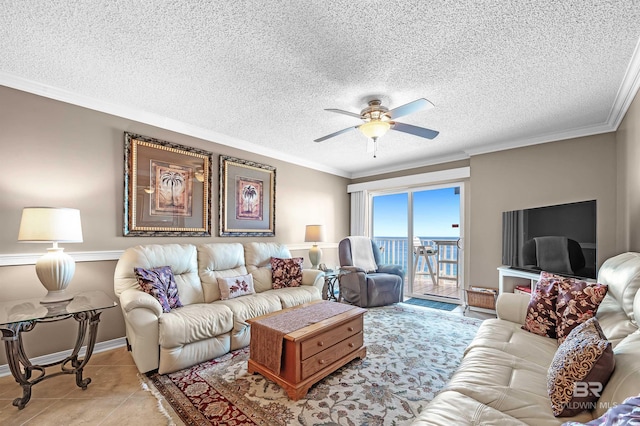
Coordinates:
(375, 128)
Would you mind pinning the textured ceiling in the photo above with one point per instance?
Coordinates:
(258, 75)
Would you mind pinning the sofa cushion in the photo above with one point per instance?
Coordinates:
(507, 383)
(294, 296)
(245, 308)
(181, 257)
(286, 272)
(614, 322)
(509, 337)
(219, 260)
(453, 408)
(577, 302)
(258, 260)
(160, 283)
(625, 380)
(585, 358)
(622, 274)
(541, 312)
(233, 287)
(193, 323)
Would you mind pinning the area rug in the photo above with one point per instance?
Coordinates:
(431, 304)
(411, 354)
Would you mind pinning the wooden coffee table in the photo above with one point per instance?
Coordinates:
(314, 351)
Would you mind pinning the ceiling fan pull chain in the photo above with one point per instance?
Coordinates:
(375, 147)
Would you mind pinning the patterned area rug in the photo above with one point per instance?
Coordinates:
(411, 354)
(431, 304)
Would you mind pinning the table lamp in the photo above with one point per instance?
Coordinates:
(314, 234)
(52, 225)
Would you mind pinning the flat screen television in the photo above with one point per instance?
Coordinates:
(559, 239)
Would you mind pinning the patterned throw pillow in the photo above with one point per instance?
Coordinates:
(577, 302)
(236, 286)
(541, 312)
(286, 272)
(583, 359)
(160, 283)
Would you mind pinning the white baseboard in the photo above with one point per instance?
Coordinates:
(47, 359)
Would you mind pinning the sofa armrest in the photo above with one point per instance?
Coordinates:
(512, 307)
(132, 299)
(391, 269)
(353, 269)
(313, 277)
(142, 313)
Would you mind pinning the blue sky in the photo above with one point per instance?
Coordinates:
(434, 212)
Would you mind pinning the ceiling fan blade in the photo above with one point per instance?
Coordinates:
(339, 132)
(341, 111)
(415, 130)
(410, 108)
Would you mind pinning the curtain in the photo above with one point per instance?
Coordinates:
(512, 237)
(360, 213)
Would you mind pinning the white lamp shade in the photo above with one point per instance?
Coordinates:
(375, 128)
(50, 225)
(314, 233)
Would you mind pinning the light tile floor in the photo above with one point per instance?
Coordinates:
(115, 396)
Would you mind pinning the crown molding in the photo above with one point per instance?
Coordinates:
(156, 120)
(550, 137)
(627, 91)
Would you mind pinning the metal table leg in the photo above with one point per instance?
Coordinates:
(22, 368)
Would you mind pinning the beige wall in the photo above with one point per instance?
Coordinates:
(553, 173)
(56, 154)
(628, 143)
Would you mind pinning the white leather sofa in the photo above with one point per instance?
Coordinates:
(205, 327)
(502, 379)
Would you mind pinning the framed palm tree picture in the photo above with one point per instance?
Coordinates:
(247, 198)
(167, 188)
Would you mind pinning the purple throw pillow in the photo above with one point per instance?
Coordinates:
(161, 284)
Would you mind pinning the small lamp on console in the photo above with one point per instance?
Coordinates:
(314, 234)
(52, 225)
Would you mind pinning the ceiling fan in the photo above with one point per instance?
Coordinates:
(378, 119)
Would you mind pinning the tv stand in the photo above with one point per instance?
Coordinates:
(509, 278)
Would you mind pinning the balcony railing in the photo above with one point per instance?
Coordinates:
(395, 250)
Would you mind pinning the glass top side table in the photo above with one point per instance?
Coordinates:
(331, 278)
(19, 316)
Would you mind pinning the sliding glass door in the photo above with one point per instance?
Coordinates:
(421, 230)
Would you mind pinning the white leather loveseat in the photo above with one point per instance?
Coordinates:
(503, 376)
(205, 327)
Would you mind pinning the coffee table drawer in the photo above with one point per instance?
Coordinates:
(330, 337)
(331, 354)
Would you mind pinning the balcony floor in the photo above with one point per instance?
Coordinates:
(424, 286)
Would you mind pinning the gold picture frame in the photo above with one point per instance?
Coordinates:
(247, 198)
(167, 189)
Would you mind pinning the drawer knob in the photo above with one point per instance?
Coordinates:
(351, 345)
(320, 343)
(350, 329)
(321, 362)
